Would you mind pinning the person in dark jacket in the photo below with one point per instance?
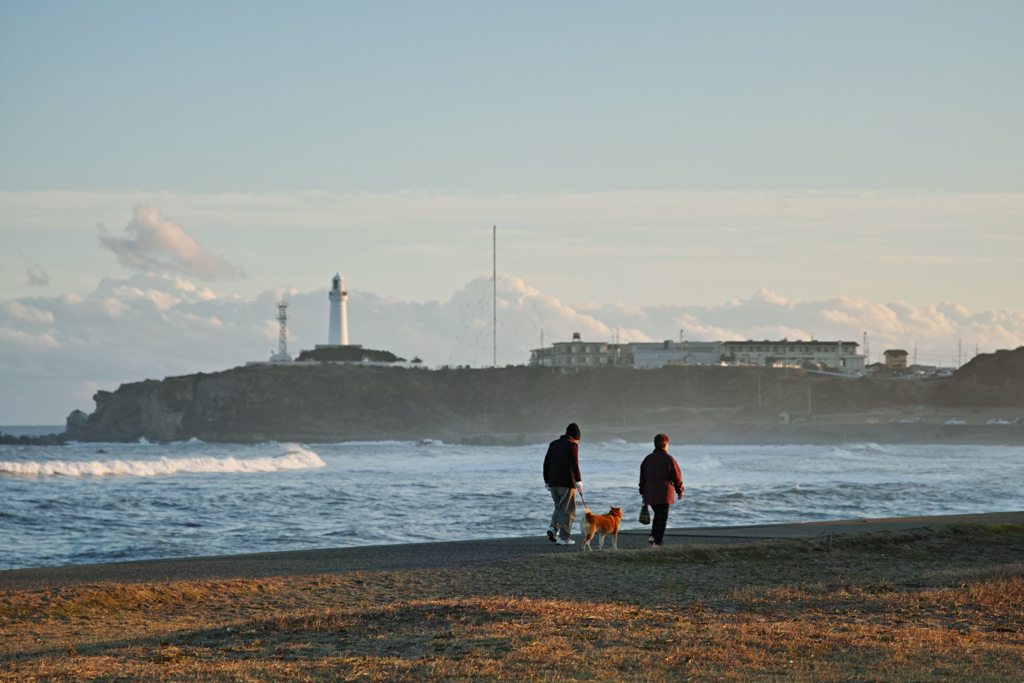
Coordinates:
(561, 474)
(659, 479)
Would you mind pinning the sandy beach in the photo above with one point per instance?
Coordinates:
(903, 599)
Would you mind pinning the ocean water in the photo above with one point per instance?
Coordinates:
(93, 503)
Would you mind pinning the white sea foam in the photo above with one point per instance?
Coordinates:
(296, 458)
(79, 516)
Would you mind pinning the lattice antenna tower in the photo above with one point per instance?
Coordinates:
(282, 320)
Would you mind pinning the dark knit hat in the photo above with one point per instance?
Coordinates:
(660, 440)
(573, 431)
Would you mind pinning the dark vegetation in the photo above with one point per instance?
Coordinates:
(1000, 369)
(338, 402)
(350, 354)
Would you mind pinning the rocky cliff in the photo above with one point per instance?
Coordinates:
(344, 402)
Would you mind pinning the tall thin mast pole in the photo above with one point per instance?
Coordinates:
(494, 273)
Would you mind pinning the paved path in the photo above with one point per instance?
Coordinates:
(433, 555)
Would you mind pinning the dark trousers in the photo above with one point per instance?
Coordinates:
(660, 520)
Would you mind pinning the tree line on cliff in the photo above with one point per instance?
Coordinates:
(330, 402)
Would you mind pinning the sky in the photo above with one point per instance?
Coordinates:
(735, 170)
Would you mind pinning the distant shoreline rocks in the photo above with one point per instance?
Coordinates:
(44, 440)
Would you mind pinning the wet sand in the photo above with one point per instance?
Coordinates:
(438, 555)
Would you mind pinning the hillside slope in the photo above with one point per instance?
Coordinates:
(342, 402)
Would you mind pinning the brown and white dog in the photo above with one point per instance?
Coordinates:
(605, 524)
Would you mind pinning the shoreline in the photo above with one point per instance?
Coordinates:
(440, 555)
(811, 434)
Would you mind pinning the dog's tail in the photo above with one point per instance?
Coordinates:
(587, 514)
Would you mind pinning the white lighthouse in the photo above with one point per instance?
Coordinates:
(337, 332)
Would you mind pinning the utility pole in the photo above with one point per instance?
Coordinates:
(786, 348)
(915, 353)
(494, 272)
(959, 352)
(680, 347)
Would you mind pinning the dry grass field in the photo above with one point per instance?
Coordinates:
(942, 605)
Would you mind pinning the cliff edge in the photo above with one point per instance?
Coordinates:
(330, 402)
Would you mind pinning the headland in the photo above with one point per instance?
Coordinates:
(328, 402)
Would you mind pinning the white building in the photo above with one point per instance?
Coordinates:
(575, 355)
(837, 356)
(652, 355)
(337, 327)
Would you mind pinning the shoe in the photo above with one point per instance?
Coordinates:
(565, 541)
(655, 545)
(650, 542)
(650, 539)
(551, 534)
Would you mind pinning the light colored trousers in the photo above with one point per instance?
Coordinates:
(565, 510)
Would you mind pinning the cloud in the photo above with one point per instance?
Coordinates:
(27, 313)
(22, 341)
(156, 325)
(36, 276)
(640, 248)
(158, 245)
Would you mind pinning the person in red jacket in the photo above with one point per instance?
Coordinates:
(659, 479)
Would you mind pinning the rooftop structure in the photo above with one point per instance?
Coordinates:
(896, 359)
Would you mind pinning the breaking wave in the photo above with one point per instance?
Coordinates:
(296, 458)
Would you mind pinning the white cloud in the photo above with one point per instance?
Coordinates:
(24, 341)
(268, 329)
(113, 307)
(151, 326)
(205, 294)
(640, 248)
(162, 300)
(158, 245)
(27, 313)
